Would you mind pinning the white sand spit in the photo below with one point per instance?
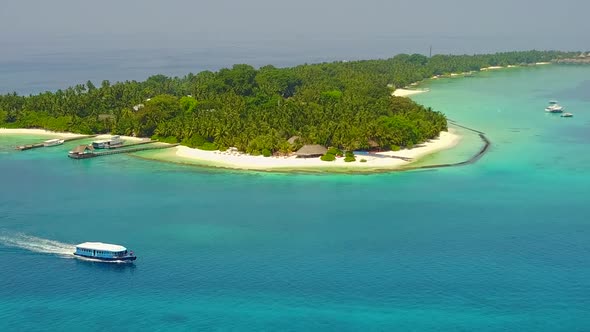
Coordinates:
(22, 131)
(381, 160)
(43, 132)
(407, 92)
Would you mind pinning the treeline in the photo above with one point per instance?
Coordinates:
(341, 104)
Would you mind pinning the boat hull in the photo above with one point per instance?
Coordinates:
(553, 110)
(103, 259)
(113, 146)
(53, 143)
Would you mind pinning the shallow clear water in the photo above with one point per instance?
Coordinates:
(502, 244)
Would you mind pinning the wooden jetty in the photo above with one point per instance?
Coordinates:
(40, 145)
(29, 146)
(84, 151)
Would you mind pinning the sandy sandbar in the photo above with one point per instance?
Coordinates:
(234, 159)
(43, 132)
(22, 131)
(407, 92)
(380, 160)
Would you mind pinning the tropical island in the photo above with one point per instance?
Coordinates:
(581, 59)
(320, 111)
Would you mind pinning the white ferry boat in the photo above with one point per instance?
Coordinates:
(104, 252)
(114, 141)
(554, 107)
(53, 142)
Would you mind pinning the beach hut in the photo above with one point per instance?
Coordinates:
(311, 151)
(82, 151)
(105, 117)
(373, 145)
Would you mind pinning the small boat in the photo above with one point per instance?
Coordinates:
(554, 107)
(113, 142)
(53, 142)
(566, 115)
(104, 252)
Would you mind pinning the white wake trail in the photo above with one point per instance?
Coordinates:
(36, 244)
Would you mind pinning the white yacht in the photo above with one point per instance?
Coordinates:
(554, 107)
(104, 252)
(114, 141)
(53, 142)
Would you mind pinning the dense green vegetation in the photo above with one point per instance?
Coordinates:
(349, 157)
(332, 153)
(328, 157)
(341, 104)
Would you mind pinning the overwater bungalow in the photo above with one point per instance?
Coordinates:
(81, 152)
(311, 151)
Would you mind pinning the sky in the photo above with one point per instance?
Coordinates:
(31, 25)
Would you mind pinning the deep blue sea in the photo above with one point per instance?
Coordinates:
(499, 245)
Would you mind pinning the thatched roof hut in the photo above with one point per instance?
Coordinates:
(83, 149)
(373, 145)
(311, 151)
(82, 152)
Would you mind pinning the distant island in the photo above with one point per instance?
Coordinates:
(344, 106)
(582, 58)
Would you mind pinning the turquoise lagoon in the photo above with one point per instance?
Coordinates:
(502, 244)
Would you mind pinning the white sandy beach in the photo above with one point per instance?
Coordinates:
(43, 132)
(21, 131)
(491, 68)
(407, 92)
(238, 160)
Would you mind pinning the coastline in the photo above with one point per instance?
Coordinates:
(412, 88)
(40, 132)
(389, 160)
(43, 132)
(407, 92)
(386, 160)
(234, 160)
